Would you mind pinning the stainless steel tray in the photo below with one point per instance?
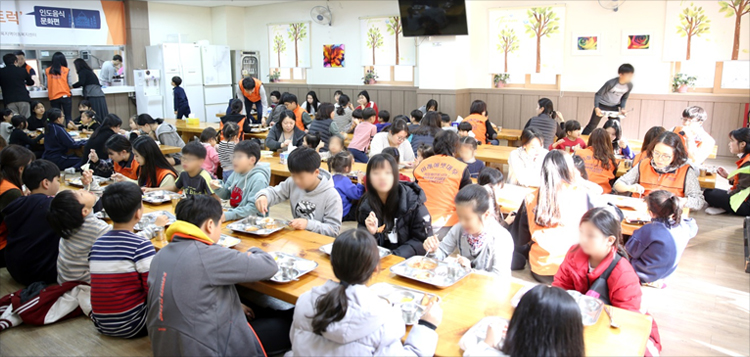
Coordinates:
(327, 250)
(398, 295)
(299, 267)
(258, 225)
(158, 197)
(149, 218)
(228, 241)
(442, 276)
(478, 332)
(76, 182)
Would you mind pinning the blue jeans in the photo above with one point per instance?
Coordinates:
(225, 175)
(359, 156)
(258, 109)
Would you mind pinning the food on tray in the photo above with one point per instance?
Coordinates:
(423, 275)
(272, 226)
(250, 228)
(424, 264)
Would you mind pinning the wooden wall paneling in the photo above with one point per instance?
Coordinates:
(529, 105)
(728, 117)
(447, 105)
(554, 99)
(652, 113)
(325, 95)
(709, 108)
(631, 125)
(511, 117)
(422, 99)
(495, 108)
(463, 102)
(384, 101)
(584, 107)
(410, 100)
(397, 103)
(673, 113)
(568, 106)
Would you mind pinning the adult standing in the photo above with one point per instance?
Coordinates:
(21, 62)
(546, 122)
(109, 71)
(92, 90)
(13, 82)
(441, 176)
(395, 136)
(253, 93)
(480, 123)
(59, 79)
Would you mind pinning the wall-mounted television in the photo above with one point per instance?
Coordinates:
(433, 18)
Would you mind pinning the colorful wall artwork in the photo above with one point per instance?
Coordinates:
(586, 44)
(289, 45)
(383, 43)
(637, 42)
(526, 40)
(333, 56)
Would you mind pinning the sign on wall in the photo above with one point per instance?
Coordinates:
(383, 43)
(289, 45)
(83, 23)
(527, 40)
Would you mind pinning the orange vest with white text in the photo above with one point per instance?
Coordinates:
(596, 171)
(551, 244)
(253, 96)
(653, 181)
(440, 178)
(478, 126)
(679, 131)
(298, 117)
(57, 84)
(5, 186)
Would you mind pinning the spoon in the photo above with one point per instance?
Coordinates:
(610, 313)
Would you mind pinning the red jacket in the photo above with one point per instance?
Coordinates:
(624, 285)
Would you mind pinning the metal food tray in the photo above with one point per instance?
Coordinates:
(257, 226)
(149, 218)
(478, 332)
(301, 267)
(228, 241)
(158, 197)
(101, 215)
(397, 295)
(328, 247)
(443, 276)
(76, 182)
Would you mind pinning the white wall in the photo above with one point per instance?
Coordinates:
(227, 26)
(166, 21)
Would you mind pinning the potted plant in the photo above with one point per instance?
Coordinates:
(370, 77)
(681, 82)
(274, 77)
(500, 79)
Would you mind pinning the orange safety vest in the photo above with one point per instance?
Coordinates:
(241, 124)
(440, 178)
(129, 172)
(253, 96)
(643, 155)
(28, 68)
(596, 171)
(478, 126)
(5, 186)
(551, 244)
(739, 163)
(653, 181)
(298, 114)
(57, 84)
(160, 175)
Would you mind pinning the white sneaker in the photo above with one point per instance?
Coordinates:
(715, 210)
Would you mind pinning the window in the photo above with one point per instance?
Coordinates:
(530, 81)
(708, 77)
(392, 75)
(291, 75)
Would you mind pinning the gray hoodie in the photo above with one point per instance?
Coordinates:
(371, 327)
(167, 135)
(321, 207)
(244, 187)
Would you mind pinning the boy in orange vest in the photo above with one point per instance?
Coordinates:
(303, 119)
(253, 93)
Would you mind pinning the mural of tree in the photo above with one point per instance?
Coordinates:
(542, 23)
(693, 22)
(374, 40)
(508, 43)
(279, 46)
(297, 32)
(394, 28)
(738, 8)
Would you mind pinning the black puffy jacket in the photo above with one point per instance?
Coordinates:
(412, 223)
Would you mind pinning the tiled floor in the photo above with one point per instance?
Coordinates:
(705, 310)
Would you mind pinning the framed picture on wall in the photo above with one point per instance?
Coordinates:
(333, 56)
(637, 42)
(586, 44)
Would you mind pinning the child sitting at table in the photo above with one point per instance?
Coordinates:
(38, 117)
(312, 141)
(598, 266)
(655, 249)
(248, 177)
(193, 304)
(582, 177)
(340, 165)
(546, 310)
(89, 122)
(493, 180)
(323, 126)
(336, 145)
(208, 139)
(572, 140)
(57, 141)
(697, 140)
(415, 117)
(446, 123)
(423, 151)
(465, 130)
(347, 318)
(153, 168)
(525, 163)
(383, 118)
(194, 180)
(482, 243)
(396, 155)
(315, 204)
(19, 136)
(599, 159)
(620, 145)
(119, 262)
(165, 133)
(225, 148)
(83, 106)
(121, 163)
(466, 151)
(648, 138)
(363, 133)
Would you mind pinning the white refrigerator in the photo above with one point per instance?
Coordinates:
(183, 60)
(217, 80)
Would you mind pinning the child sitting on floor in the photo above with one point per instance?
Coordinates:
(194, 180)
(482, 243)
(340, 165)
(208, 139)
(466, 151)
(193, 304)
(312, 141)
(572, 140)
(248, 178)
(315, 204)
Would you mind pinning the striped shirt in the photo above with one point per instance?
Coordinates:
(73, 259)
(226, 152)
(120, 262)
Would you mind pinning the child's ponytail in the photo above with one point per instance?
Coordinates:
(329, 308)
(665, 206)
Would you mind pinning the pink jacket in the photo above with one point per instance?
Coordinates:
(212, 159)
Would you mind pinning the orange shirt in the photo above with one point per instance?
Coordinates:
(57, 84)
(596, 171)
(478, 126)
(653, 181)
(440, 178)
(253, 96)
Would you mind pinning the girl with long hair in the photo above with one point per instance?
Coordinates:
(59, 80)
(153, 168)
(57, 142)
(92, 90)
(343, 114)
(547, 122)
(311, 103)
(13, 160)
(165, 133)
(599, 158)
